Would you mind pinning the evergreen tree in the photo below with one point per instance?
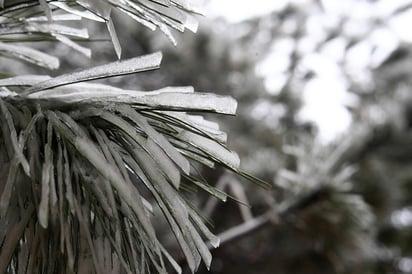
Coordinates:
(75, 155)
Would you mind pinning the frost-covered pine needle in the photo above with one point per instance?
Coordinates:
(87, 168)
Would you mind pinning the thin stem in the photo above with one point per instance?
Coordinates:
(245, 228)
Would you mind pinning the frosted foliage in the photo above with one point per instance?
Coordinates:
(58, 29)
(23, 80)
(164, 163)
(30, 55)
(129, 66)
(93, 147)
(157, 100)
(217, 151)
(82, 13)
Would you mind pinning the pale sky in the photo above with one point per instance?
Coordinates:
(235, 10)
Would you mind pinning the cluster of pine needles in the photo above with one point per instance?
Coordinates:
(84, 168)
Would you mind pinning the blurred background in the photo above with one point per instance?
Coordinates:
(324, 115)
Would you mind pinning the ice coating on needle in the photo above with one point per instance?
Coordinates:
(133, 65)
